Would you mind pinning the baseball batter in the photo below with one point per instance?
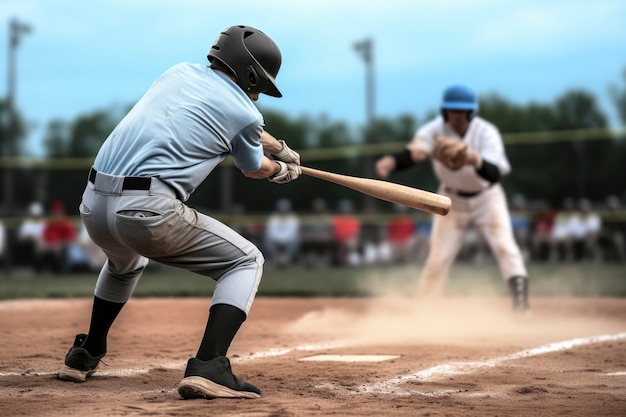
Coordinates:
(189, 120)
(469, 159)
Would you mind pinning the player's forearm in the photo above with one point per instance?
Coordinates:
(488, 171)
(407, 158)
(267, 169)
(270, 144)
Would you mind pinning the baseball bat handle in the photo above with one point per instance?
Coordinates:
(388, 191)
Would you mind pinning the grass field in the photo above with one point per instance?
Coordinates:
(580, 280)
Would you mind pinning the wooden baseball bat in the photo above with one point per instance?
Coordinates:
(388, 191)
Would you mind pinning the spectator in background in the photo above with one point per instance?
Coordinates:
(374, 249)
(317, 235)
(58, 235)
(562, 245)
(30, 235)
(3, 238)
(590, 225)
(282, 235)
(346, 234)
(246, 226)
(612, 231)
(542, 226)
(88, 252)
(401, 235)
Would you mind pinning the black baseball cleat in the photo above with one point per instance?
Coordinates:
(79, 364)
(214, 379)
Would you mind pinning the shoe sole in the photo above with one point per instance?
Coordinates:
(197, 387)
(74, 375)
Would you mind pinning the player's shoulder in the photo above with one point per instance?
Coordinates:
(484, 122)
(485, 126)
(186, 67)
(435, 125)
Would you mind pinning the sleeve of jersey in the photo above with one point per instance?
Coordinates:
(493, 150)
(246, 148)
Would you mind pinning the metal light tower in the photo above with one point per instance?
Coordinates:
(365, 49)
(16, 30)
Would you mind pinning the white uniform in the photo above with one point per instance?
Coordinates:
(474, 201)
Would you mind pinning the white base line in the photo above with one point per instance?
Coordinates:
(458, 368)
(181, 364)
(390, 386)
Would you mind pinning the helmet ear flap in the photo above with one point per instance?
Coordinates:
(253, 77)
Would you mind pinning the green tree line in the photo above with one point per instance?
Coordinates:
(560, 166)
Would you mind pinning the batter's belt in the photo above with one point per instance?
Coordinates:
(130, 183)
(112, 184)
(466, 194)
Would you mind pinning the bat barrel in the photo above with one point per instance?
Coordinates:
(388, 191)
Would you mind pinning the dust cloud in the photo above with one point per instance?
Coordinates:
(393, 315)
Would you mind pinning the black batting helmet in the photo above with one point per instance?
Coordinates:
(251, 55)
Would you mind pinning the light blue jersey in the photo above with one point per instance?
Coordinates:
(187, 123)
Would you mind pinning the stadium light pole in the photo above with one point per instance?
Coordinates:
(16, 30)
(365, 49)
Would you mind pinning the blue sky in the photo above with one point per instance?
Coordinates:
(88, 55)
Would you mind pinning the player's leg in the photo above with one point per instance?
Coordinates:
(494, 222)
(446, 239)
(201, 244)
(116, 283)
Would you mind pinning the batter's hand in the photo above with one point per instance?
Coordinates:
(385, 166)
(287, 173)
(287, 154)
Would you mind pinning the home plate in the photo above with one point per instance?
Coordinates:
(350, 358)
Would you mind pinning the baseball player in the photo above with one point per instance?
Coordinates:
(190, 119)
(468, 158)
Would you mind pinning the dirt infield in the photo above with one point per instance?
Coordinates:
(462, 357)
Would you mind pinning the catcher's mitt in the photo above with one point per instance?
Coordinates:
(450, 152)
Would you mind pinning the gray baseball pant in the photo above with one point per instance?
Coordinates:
(135, 225)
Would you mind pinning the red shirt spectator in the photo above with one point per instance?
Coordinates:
(59, 229)
(345, 227)
(400, 229)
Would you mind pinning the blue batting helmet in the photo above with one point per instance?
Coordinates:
(459, 97)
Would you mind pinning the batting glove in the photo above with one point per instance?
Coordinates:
(287, 154)
(287, 173)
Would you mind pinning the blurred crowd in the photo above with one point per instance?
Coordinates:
(51, 241)
(577, 231)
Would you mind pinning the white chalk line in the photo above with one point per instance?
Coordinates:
(273, 352)
(391, 386)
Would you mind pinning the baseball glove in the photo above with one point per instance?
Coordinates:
(450, 152)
